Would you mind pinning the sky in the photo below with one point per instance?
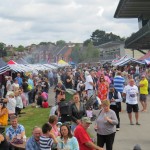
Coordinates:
(24, 22)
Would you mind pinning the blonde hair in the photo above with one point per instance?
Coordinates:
(106, 102)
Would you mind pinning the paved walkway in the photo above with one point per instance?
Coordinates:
(128, 135)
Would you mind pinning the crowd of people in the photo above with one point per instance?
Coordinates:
(100, 88)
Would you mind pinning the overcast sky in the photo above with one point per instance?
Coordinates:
(33, 21)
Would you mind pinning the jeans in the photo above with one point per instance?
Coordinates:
(108, 139)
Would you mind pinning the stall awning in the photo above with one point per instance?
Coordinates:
(125, 60)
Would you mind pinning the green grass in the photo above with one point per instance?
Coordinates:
(33, 117)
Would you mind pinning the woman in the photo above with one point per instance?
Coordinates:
(76, 111)
(102, 88)
(53, 120)
(25, 89)
(106, 126)
(3, 115)
(45, 85)
(67, 140)
(4, 145)
(59, 89)
(15, 86)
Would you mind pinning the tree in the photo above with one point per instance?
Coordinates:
(99, 37)
(75, 55)
(86, 42)
(20, 48)
(3, 51)
(61, 43)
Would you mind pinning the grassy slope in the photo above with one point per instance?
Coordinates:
(33, 117)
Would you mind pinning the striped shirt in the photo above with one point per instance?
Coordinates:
(46, 143)
(119, 83)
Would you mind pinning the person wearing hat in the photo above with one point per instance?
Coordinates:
(106, 126)
(143, 92)
(115, 103)
(84, 140)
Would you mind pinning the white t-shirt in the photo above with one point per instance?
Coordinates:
(88, 85)
(11, 105)
(131, 94)
(9, 85)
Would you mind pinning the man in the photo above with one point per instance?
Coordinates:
(115, 99)
(50, 77)
(69, 80)
(143, 92)
(33, 142)
(14, 130)
(82, 136)
(131, 92)
(119, 82)
(31, 92)
(90, 84)
(19, 79)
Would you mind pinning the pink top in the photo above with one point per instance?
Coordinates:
(24, 99)
(55, 130)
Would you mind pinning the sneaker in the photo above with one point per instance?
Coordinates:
(117, 129)
(138, 123)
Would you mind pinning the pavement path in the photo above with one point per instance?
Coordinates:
(128, 135)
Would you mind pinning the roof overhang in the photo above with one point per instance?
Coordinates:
(140, 39)
(133, 9)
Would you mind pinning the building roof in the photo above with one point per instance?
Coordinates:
(133, 9)
(110, 44)
(140, 39)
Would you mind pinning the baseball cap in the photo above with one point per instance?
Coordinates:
(87, 120)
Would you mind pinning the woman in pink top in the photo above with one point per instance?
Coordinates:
(53, 120)
(23, 97)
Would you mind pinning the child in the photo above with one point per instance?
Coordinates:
(45, 104)
(89, 112)
(48, 138)
(19, 104)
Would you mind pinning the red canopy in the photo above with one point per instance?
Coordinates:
(11, 62)
(145, 56)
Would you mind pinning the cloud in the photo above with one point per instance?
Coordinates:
(32, 21)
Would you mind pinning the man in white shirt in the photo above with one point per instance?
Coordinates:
(131, 92)
(90, 85)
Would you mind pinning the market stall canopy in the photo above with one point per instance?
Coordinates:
(22, 61)
(11, 62)
(62, 63)
(145, 56)
(3, 66)
(125, 60)
(147, 61)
